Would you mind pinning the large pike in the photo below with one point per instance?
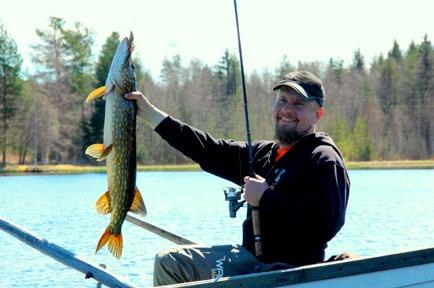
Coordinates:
(119, 147)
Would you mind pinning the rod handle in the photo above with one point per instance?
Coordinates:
(257, 231)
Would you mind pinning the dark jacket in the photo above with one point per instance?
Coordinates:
(305, 205)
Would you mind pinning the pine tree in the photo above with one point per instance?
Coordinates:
(11, 85)
(395, 53)
(284, 67)
(358, 61)
(50, 57)
(78, 46)
(386, 89)
(173, 76)
(228, 72)
(337, 67)
(425, 85)
(229, 77)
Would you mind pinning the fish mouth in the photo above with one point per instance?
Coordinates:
(131, 42)
(130, 48)
(121, 73)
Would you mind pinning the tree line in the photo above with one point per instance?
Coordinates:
(381, 110)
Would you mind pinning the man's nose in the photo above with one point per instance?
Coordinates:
(287, 107)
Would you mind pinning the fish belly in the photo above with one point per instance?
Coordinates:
(122, 162)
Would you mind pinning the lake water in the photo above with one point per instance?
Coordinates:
(389, 211)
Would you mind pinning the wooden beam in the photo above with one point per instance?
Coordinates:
(63, 256)
(159, 231)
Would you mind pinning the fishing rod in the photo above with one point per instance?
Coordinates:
(159, 231)
(255, 210)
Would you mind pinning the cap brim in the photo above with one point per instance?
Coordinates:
(293, 85)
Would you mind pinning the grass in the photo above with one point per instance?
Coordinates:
(70, 169)
(396, 164)
(76, 169)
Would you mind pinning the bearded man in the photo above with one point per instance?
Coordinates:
(300, 187)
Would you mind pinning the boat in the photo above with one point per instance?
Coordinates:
(406, 269)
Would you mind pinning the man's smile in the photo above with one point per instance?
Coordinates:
(282, 119)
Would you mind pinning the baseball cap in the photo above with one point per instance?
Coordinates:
(306, 84)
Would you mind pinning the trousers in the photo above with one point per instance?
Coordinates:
(196, 262)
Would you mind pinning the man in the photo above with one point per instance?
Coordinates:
(300, 187)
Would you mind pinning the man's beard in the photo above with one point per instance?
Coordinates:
(289, 136)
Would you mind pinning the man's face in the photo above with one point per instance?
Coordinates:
(294, 117)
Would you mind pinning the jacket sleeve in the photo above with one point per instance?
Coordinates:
(223, 158)
(316, 213)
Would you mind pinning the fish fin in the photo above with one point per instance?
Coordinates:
(138, 206)
(99, 151)
(103, 205)
(95, 150)
(98, 92)
(105, 153)
(114, 243)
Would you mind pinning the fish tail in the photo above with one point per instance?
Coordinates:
(114, 243)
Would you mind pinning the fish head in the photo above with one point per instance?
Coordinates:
(122, 70)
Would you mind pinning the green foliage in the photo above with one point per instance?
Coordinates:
(105, 58)
(174, 77)
(228, 71)
(358, 61)
(78, 47)
(425, 71)
(354, 142)
(64, 57)
(337, 67)
(49, 53)
(361, 141)
(425, 92)
(228, 75)
(386, 90)
(284, 67)
(172, 71)
(395, 53)
(384, 112)
(339, 130)
(10, 82)
(78, 51)
(11, 85)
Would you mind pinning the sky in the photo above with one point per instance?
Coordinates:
(309, 30)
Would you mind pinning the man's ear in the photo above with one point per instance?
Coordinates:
(319, 114)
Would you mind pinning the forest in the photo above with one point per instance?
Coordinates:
(382, 110)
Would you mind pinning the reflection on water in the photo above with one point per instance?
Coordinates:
(389, 211)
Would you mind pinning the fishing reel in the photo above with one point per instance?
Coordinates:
(233, 196)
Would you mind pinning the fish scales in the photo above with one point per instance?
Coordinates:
(119, 148)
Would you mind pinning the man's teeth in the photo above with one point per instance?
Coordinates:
(287, 119)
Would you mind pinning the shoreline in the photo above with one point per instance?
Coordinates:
(391, 164)
(14, 169)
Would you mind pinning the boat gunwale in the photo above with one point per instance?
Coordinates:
(322, 271)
